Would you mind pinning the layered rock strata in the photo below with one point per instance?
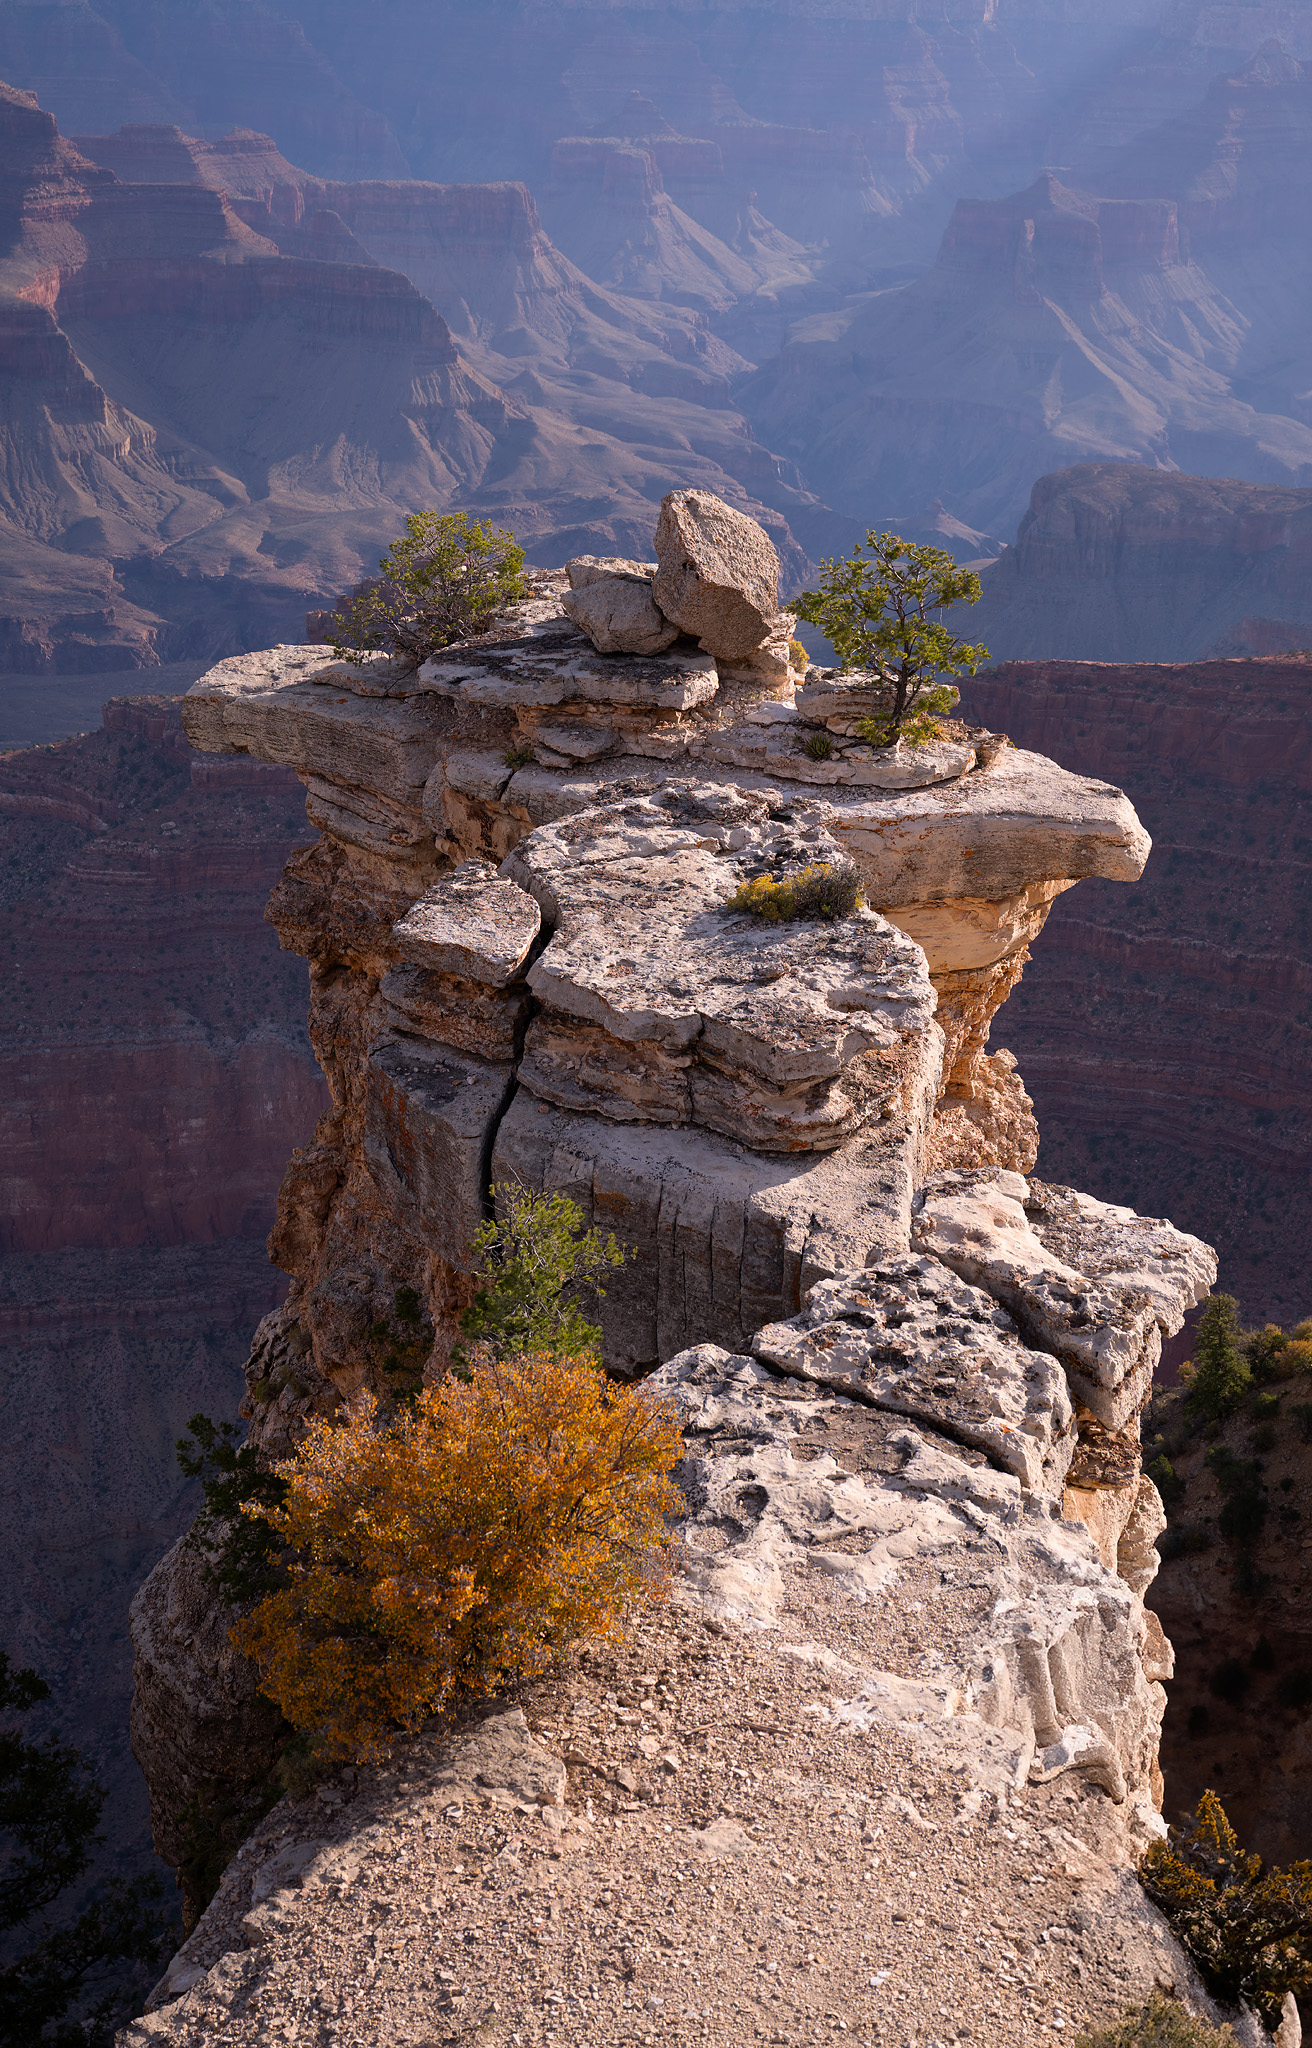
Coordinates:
(532, 970)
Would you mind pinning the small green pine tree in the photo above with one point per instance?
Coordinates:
(1222, 1375)
(527, 1259)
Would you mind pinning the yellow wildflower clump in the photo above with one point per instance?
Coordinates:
(463, 1540)
(820, 891)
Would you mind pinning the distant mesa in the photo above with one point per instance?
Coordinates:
(1053, 325)
(1115, 561)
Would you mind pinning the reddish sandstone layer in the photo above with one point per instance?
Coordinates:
(1165, 1031)
(155, 1074)
(155, 1071)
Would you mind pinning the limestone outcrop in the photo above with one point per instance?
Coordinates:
(528, 967)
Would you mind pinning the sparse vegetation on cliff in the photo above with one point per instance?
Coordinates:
(877, 609)
(534, 1259)
(242, 1548)
(465, 1541)
(444, 579)
(1248, 1929)
(1161, 2023)
(819, 891)
(79, 1977)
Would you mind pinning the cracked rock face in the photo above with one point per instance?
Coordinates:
(908, 1336)
(662, 1005)
(1032, 1652)
(1096, 1285)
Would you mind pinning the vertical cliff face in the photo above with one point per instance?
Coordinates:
(155, 1073)
(1164, 1029)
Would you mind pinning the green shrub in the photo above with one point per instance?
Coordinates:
(1303, 1410)
(1221, 1377)
(1265, 1405)
(1161, 2023)
(878, 612)
(533, 1260)
(819, 891)
(1265, 1438)
(443, 580)
(1249, 1931)
(1167, 1480)
(243, 1551)
(819, 747)
(1184, 1539)
(797, 655)
(518, 757)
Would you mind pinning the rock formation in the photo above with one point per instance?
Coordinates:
(1120, 562)
(268, 401)
(529, 971)
(1054, 323)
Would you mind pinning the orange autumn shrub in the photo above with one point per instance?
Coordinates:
(465, 1539)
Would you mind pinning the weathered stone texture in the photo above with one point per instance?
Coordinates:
(718, 574)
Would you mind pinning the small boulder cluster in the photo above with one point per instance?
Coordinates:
(715, 579)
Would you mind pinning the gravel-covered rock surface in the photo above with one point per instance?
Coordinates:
(703, 1855)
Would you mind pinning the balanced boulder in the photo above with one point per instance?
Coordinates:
(717, 574)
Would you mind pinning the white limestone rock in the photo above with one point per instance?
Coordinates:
(988, 837)
(909, 1336)
(473, 924)
(1046, 1676)
(718, 574)
(273, 706)
(1103, 1317)
(787, 1037)
(531, 675)
(620, 616)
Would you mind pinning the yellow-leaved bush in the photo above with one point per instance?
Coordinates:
(459, 1542)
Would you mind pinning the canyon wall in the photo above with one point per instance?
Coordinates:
(1163, 1030)
(155, 1072)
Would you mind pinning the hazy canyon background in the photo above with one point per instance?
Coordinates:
(1029, 278)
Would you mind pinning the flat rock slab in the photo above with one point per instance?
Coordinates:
(472, 924)
(720, 1240)
(788, 1037)
(991, 834)
(273, 706)
(908, 1335)
(528, 674)
(1105, 1317)
(718, 574)
(430, 1118)
(780, 749)
(1031, 1650)
(583, 570)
